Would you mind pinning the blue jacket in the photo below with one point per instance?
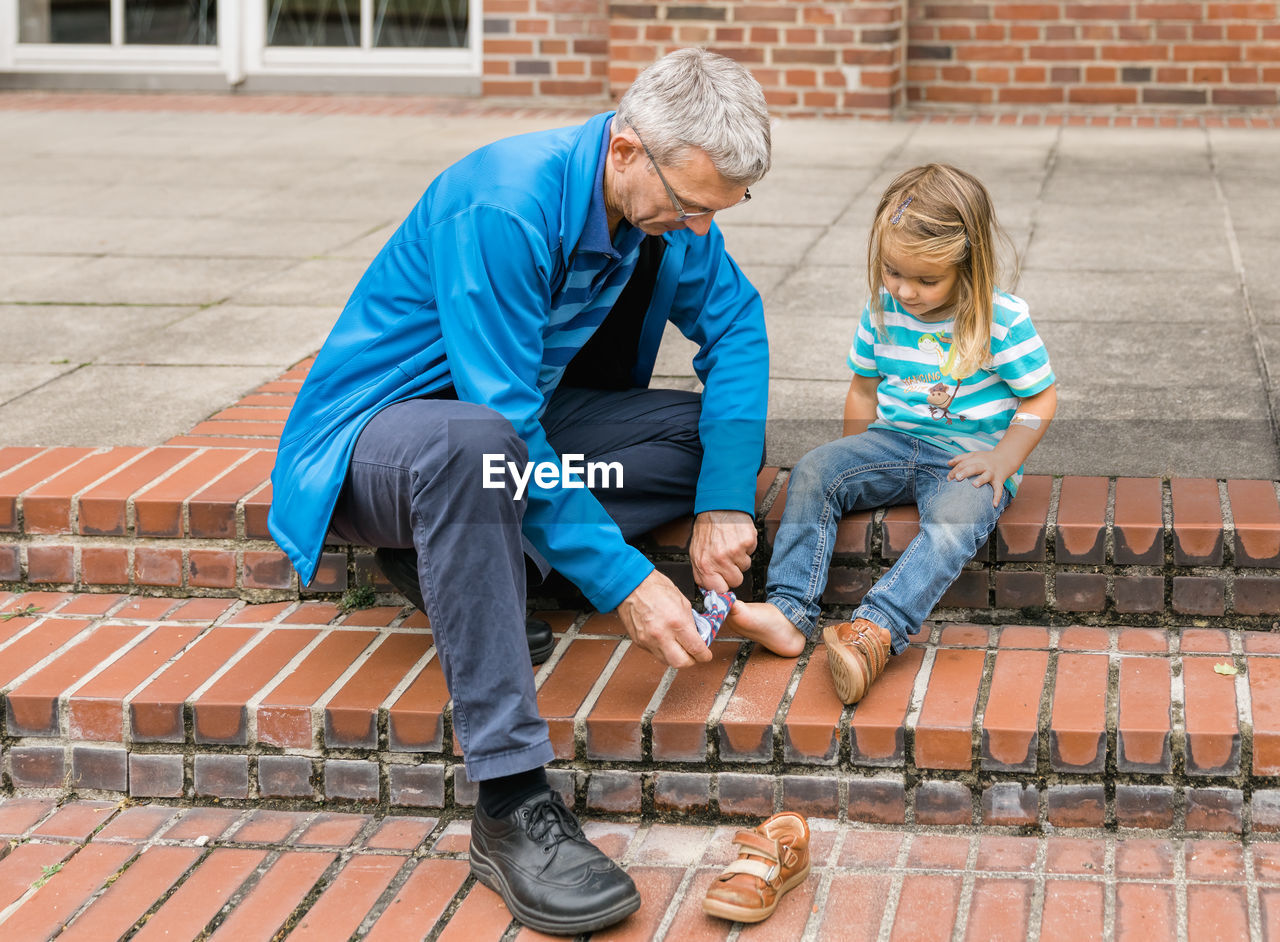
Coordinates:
(460, 295)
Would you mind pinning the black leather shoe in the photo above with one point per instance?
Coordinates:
(400, 566)
(550, 876)
(541, 641)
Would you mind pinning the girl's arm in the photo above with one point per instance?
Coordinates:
(1021, 437)
(860, 404)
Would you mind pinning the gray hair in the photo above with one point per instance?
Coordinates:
(694, 98)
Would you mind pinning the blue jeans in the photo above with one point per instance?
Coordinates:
(876, 469)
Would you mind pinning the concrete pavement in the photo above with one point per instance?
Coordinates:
(156, 265)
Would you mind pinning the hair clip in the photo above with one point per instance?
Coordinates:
(901, 209)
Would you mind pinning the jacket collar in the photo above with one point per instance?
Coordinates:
(580, 181)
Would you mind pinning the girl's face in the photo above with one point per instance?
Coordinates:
(924, 288)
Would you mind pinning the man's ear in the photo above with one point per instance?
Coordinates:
(624, 150)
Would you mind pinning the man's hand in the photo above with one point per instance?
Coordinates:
(660, 620)
(721, 548)
(982, 467)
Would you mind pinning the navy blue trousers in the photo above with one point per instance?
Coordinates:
(414, 481)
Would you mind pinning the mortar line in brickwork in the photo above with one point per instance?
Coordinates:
(821, 896)
(321, 704)
(1039, 868)
(593, 695)
(1052, 538)
(1180, 888)
(253, 703)
(126, 720)
(966, 892)
(727, 688)
(388, 895)
(1177, 717)
(53, 655)
(545, 670)
(650, 710)
(914, 707)
(1109, 887)
(1109, 533)
(779, 719)
(1044, 716)
(245, 456)
(236, 606)
(897, 877)
(39, 451)
(1228, 529)
(242, 525)
(1252, 902)
(673, 907)
(980, 704)
(73, 509)
(64, 698)
(22, 633)
(131, 520)
(383, 710)
(243, 652)
(247, 886)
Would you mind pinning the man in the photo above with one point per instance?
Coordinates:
(513, 318)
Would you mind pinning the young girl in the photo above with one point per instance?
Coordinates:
(951, 391)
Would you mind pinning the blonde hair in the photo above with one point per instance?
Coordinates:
(943, 215)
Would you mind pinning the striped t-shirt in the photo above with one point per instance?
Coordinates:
(918, 393)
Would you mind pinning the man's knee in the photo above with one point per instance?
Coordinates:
(479, 440)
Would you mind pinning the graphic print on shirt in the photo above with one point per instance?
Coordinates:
(938, 394)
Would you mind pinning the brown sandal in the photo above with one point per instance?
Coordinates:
(856, 655)
(773, 859)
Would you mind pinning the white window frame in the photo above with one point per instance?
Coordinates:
(328, 60)
(241, 50)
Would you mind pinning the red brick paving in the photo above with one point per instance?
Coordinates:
(866, 883)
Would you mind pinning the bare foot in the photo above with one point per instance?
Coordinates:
(762, 622)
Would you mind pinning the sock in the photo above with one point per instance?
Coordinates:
(715, 606)
(501, 796)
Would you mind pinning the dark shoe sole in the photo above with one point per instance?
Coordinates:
(491, 877)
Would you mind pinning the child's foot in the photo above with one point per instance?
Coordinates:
(856, 654)
(765, 623)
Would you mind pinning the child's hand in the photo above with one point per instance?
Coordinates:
(979, 468)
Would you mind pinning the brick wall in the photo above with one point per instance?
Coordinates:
(546, 48)
(872, 58)
(842, 58)
(1093, 54)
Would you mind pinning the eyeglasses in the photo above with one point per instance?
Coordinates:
(681, 215)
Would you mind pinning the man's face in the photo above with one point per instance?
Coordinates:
(644, 201)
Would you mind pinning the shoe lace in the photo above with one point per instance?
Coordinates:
(551, 819)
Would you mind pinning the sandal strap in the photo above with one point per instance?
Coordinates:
(756, 868)
(755, 843)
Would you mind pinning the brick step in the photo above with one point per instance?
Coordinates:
(1015, 725)
(189, 520)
